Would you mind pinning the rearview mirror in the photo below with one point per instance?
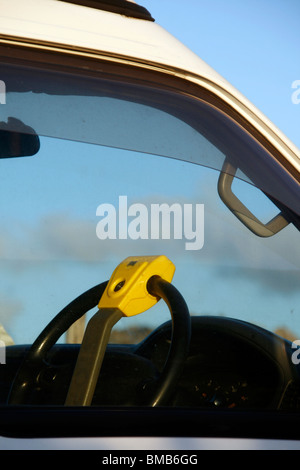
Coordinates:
(17, 139)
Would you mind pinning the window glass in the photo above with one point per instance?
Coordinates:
(94, 170)
(71, 213)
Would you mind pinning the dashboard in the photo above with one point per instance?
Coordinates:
(231, 365)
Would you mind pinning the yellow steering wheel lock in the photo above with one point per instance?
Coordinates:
(126, 294)
(127, 287)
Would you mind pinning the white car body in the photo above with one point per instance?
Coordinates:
(144, 44)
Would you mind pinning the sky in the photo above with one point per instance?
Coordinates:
(254, 44)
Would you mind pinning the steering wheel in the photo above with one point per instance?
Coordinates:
(155, 392)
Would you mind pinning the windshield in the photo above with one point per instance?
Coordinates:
(112, 168)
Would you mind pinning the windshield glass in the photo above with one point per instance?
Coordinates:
(97, 188)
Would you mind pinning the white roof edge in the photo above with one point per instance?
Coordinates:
(73, 25)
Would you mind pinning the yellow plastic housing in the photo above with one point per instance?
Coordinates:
(127, 287)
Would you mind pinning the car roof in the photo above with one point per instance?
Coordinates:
(70, 24)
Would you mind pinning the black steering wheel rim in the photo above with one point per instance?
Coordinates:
(158, 391)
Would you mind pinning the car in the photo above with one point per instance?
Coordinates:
(150, 258)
